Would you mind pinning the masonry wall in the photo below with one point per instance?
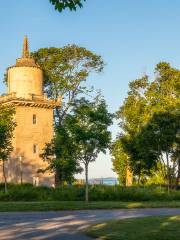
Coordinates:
(24, 81)
(26, 135)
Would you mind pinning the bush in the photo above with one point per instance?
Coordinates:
(27, 192)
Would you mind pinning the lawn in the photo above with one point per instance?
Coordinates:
(148, 228)
(80, 205)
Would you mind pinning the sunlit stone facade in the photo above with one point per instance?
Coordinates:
(34, 119)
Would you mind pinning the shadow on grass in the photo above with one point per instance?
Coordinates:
(156, 228)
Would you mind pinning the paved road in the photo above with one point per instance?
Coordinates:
(63, 225)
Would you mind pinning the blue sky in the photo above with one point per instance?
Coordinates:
(131, 36)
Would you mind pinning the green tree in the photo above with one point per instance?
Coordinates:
(132, 116)
(66, 70)
(60, 5)
(145, 98)
(133, 113)
(61, 156)
(89, 121)
(156, 177)
(119, 160)
(7, 125)
(160, 141)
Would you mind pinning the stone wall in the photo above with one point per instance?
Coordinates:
(26, 135)
(25, 81)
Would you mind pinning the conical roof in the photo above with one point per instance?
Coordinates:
(25, 60)
(25, 52)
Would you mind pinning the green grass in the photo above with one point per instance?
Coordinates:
(79, 205)
(147, 228)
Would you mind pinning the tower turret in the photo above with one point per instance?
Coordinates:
(25, 78)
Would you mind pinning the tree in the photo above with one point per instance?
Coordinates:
(145, 98)
(66, 70)
(156, 177)
(160, 141)
(61, 156)
(89, 121)
(132, 115)
(60, 5)
(7, 125)
(120, 160)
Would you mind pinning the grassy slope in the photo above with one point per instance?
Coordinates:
(76, 205)
(149, 228)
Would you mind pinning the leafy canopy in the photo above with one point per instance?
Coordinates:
(7, 125)
(89, 123)
(61, 156)
(119, 160)
(66, 70)
(72, 5)
(146, 100)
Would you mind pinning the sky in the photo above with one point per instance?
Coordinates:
(132, 36)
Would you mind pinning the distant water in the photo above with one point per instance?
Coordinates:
(104, 181)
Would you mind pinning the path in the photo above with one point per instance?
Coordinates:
(64, 225)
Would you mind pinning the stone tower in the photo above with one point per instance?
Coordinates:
(34, 119)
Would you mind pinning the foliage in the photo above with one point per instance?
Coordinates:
(156, 177)
(27, 192)
(89, 121)
(160, 140)
(120, 160)
(80, 138)
(146, 99)
(61, 156)
(88, 124)
(60, 5)
(65, 71)
(7, 125)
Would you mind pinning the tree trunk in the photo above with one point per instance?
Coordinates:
(57, 116)
(139, 179)
(178, 175)
(168, 173)
(163, 170)
(87, 184)
(4, 175)
(57, 178)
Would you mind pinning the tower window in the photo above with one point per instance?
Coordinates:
(34, 119)
(35, 148)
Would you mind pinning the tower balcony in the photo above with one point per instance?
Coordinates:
(30, 100)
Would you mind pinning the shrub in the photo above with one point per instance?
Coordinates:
(27, 192)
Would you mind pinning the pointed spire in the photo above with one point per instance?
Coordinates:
(25, 53)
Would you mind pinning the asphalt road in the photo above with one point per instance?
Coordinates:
(64, 225)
